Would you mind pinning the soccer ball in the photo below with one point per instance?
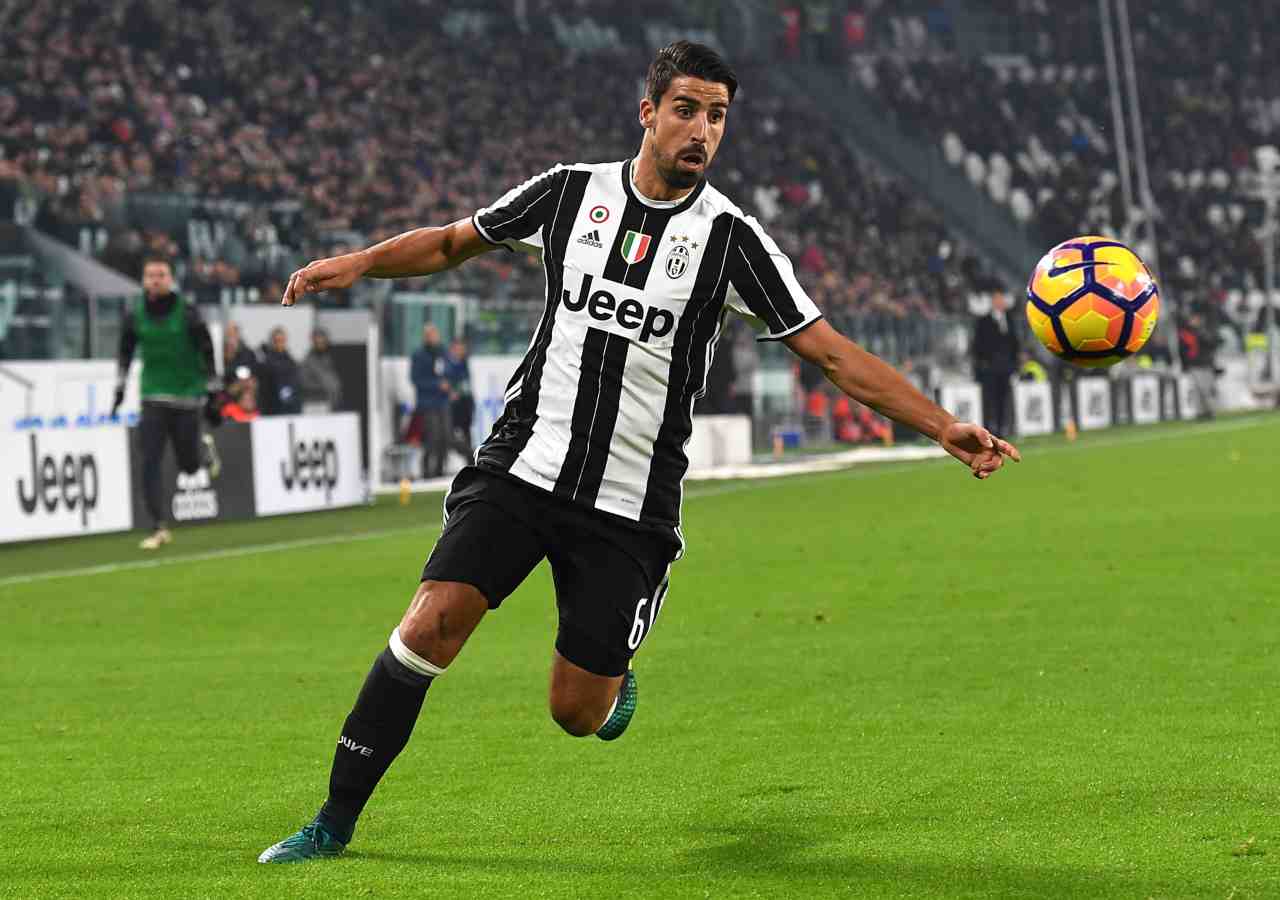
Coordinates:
(1092, 302)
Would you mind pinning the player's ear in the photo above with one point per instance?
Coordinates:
(648, 113)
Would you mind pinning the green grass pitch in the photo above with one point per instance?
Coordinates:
(891, 681)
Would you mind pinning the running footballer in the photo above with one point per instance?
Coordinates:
(643, 260)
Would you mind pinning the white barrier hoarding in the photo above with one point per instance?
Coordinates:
(303, 463)
(1144, 399)
(1093, 402)
(1033, 407)
(963, 399)
(1189, 400)
(64, 481)
(489, 377)
(720, 440)
(60, 393)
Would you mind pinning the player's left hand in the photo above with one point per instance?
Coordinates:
(977, 448)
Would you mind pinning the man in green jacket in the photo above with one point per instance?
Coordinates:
(178, 379)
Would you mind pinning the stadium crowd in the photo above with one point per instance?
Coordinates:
(1035, 130)
(411, 112)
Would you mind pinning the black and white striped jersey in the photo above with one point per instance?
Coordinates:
(601, 407)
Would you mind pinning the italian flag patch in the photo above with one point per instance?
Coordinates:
(634, 247)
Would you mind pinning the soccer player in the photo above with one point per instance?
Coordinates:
(585, 465)
(178, 378)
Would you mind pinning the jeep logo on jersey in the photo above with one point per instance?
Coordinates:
(71, 482)
(631, 315)
(310, 465)
(677, 261)
(635, 247)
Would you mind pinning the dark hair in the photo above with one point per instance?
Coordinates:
(157, 261)
(687, 58)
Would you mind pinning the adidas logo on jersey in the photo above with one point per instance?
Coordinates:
(592, 239)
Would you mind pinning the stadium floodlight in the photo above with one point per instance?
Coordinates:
(1146, 199)
(1127, 228)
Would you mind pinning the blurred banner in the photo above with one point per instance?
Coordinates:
(489, 377)
(1144, 399)
(1093, 402)
(1190, 403)
(199, 496)
(722, 440)
(60, 393)
(302, 463)
(1033, 407)
(963, 399)
(64, 482)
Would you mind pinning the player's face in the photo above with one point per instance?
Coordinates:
(157, 279)
(685, 128)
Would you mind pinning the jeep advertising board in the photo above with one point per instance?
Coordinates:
(60, 482)
(201, 496)
(302, 463)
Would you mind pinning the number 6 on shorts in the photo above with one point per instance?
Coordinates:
(639, 628)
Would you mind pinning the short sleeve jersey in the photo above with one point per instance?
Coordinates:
(600, 409)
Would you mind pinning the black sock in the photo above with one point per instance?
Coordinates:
(373, 735)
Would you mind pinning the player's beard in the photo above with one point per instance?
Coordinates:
(669, 171)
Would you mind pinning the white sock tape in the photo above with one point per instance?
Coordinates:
(411, 660)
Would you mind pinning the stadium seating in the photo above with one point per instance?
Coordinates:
(241, 144)
(1034, 129)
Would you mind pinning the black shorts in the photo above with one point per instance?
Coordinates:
(610, 574)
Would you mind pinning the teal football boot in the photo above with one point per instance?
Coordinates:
(623, 710)
(314, 841)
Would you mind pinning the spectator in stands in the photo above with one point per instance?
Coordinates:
(1030, 369)
(87, 121)
(321, 386)
(236, 356)
(462, 403)
(281, 380)
(1197, 345)
(995, 359)
(242, 400)
(427, 372)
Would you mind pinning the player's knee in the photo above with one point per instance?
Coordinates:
(440, 619)
(575, 718)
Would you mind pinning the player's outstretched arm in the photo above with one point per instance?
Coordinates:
(422, 251)
(868, 379)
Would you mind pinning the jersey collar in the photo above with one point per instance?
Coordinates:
(684, 204)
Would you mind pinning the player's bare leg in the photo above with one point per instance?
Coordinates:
(440, 618)
(584, 703)
(580, 700)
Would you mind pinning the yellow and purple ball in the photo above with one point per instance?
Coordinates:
(1092, 301)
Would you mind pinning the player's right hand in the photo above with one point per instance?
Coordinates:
(325, 275)
(977, 448)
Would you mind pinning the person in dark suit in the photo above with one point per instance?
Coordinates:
(995, 359)
(427, 372)
(462, 404)
(280, 390)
